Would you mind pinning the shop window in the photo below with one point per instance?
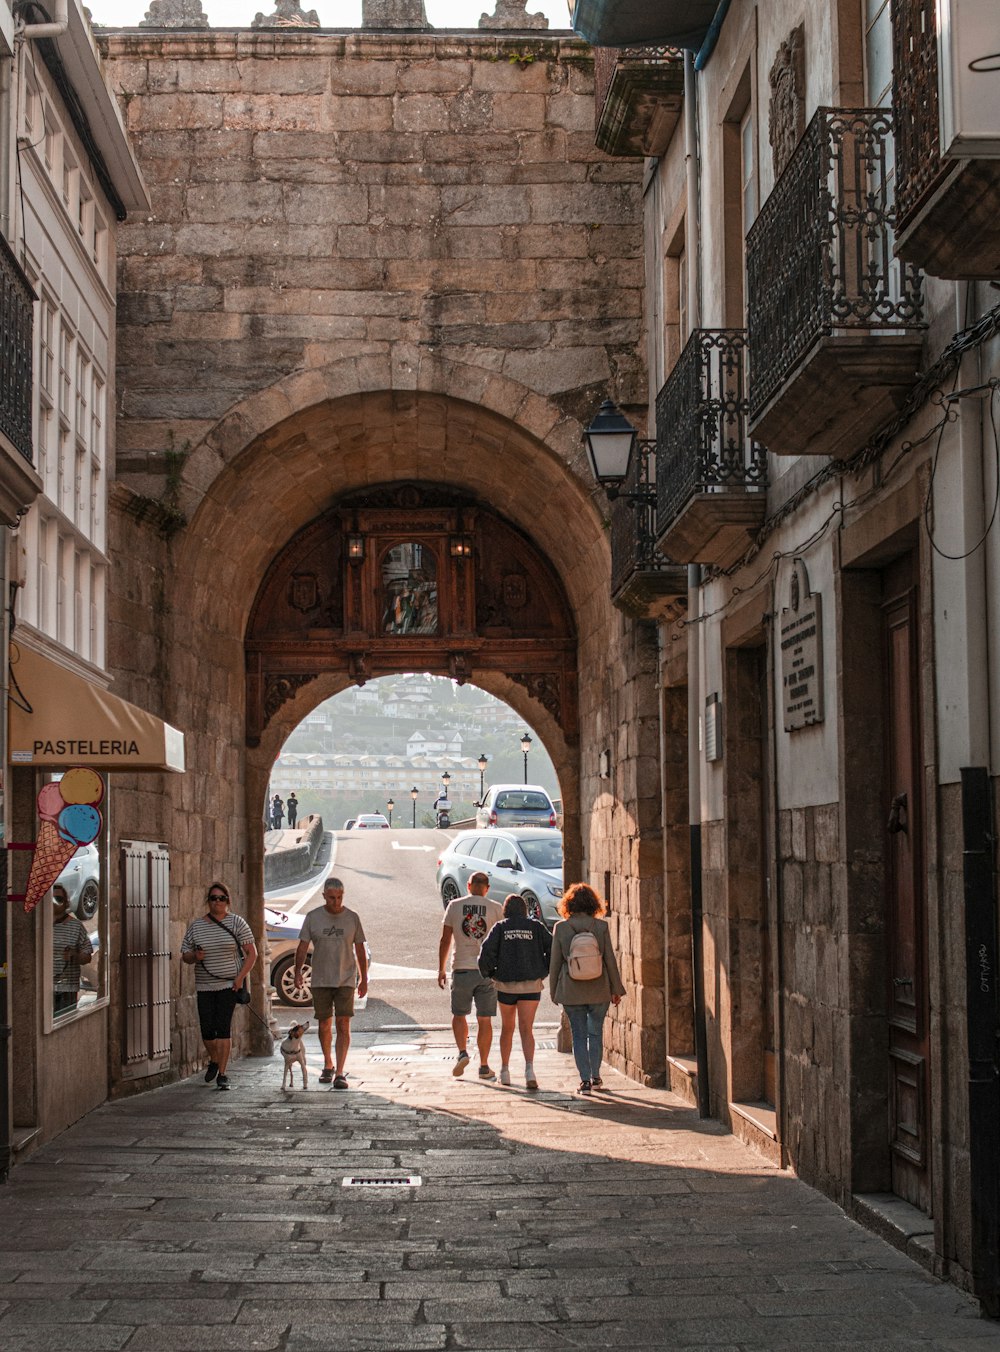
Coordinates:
(75, 908)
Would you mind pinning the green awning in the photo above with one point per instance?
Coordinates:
(644, 23)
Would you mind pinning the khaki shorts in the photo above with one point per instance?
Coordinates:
(333, 1000)
(469, 986)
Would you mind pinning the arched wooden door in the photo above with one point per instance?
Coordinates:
(410, 577)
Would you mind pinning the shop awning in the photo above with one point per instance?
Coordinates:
(639, 23)
(58, 719)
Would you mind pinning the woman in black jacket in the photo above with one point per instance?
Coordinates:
(516, 954)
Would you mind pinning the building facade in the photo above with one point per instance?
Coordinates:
(69, 178)
(823, 372)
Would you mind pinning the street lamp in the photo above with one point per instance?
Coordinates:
(414, 794)
(525, 747)
(446, 780)
(482, 763)
(610, 440)
(390, 805)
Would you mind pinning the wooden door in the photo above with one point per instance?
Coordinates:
(906, 929)
(145, 891)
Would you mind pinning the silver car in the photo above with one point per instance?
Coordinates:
(513, 805)
(82, 880)
(528, 860)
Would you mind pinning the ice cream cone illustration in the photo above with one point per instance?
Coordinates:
(52, 854)
(68, 818)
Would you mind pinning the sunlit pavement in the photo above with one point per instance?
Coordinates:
(192, 1219)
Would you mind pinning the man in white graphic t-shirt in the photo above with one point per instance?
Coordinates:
(467, 921)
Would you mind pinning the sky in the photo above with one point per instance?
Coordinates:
(332, 13)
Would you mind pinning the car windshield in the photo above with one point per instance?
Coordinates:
(543, 853)
(533, 802)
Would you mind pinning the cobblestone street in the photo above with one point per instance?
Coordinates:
(187, 1219)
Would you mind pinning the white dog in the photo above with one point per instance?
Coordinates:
(294, 1053)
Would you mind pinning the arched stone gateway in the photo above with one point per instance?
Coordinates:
(258, 589)
(376, 259)
(411, 577)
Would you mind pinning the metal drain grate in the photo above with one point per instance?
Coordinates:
(384, 1059)
(375, 1181)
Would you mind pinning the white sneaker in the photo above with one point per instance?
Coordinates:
(529, 1078)
(504, 1075)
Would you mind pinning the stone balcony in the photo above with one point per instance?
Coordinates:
(644, 584)
(711, 477)
(835, 320)
(638, 95)
(948, 209)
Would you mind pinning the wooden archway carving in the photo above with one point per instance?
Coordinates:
(410, 577)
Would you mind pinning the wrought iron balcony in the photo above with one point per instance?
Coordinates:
(835, 321)
(947, 209)
(16, 323)
(644, 584)
(711, 476)
(638, 93)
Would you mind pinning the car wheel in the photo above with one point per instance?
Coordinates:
(533, 905)
(90, 899)
(449, 890)
(283, 981)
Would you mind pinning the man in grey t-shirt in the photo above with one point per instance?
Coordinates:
(339, 963)
(467, 921)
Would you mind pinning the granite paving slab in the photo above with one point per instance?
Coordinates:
(187, 1221)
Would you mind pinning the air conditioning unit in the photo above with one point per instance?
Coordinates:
(969, 78)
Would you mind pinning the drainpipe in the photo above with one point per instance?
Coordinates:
(692, 248)
(692, 222)
(694, 835)
(978, 846)
(54, 29)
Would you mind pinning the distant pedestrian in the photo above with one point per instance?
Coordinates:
(467, 921)
(221, 949)
(584, 977)
(339, 965)
(277, 812)
(292, 808)
(516, 955)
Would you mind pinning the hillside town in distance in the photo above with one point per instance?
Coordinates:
(380, 741)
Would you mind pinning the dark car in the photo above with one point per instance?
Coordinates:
(528, 860)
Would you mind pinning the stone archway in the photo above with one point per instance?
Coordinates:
(244, 509)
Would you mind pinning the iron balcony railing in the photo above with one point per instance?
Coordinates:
(16, 324)
(915, 103)
(633, 522)
(819, 255)
(702, 443)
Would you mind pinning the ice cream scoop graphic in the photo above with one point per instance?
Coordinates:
(67, 821)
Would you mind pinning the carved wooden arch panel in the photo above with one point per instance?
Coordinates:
(410, 577)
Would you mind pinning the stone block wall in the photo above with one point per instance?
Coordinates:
(814, 963)
(625, 844)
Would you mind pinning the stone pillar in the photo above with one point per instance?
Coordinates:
(512, 14)
(175, 14)
(393, 14)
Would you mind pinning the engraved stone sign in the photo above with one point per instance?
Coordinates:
(802, 653)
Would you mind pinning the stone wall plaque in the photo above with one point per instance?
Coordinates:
(802, 653)
(787, 112)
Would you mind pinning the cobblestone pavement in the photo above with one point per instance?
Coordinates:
(189, 1219)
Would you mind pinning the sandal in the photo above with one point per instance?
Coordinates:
(340, 1082)
(326, 1075)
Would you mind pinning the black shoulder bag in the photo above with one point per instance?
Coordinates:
(243, 994)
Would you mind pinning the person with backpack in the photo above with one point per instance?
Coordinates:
(515, 954)
(584, 977)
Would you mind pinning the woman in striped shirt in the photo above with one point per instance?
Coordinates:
(221, 949)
